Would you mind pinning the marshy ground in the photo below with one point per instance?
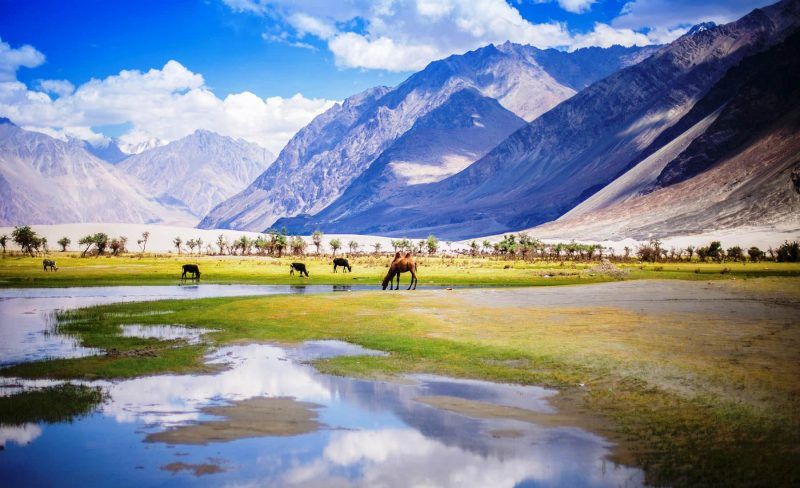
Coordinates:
(695, 379)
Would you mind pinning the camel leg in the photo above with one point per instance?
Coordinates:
(413, 280)
(398, 281)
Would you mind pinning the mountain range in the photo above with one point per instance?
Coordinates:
(324, 158)
(699, 134)
(46, 180)
(631, 124)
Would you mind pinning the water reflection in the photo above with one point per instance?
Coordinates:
(375, 433)
(25, 313)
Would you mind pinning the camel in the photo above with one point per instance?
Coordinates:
(398, 266)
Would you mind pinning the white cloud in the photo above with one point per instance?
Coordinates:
(603, 35)
(165, 104)
(406, 35)
(12, 59)
(576, 6)
(665, 20)
(57, 87)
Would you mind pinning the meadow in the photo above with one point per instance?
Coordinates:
(136, 269)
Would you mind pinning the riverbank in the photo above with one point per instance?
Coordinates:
(698, 381)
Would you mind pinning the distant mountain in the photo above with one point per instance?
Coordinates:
(108, 150)
(439, 144)
(577, 149)
(324, 158)
(141, 147)
(48, 181)
(198, 171)
(740, 169)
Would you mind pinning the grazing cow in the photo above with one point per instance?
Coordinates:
(191, 269)
(343, 263)
(299, 267)
(49, 263)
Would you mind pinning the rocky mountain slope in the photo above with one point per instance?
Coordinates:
(740, 170)
(44, 181)
(198, 171)
(324, 158)
(571, 152)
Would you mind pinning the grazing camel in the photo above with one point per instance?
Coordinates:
(192, 269)
(398, 266)
(49, 263)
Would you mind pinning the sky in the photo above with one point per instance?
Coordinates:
(262, 69)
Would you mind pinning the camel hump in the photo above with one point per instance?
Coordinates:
(408, 255)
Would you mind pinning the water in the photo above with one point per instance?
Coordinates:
(26, 313)
(370, 433)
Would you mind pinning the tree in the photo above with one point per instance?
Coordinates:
(245, 244)
(26, 239)
(335, 244)
(474, 248)
(395, 243)
(64, 242)
(788, 252)
(755, 254)
(199, 242)
(353, 245)
(3, 242)
(298, 245)
(487, 246)
(222, 243)
(101, 242)
(143, 241)
(650, 251)
(117, 245)
(316, 238)
(87, 241)
(280, 244)
(377, 247)
(191, 244)
(432, 243)
(177, 242)
(736, 253)
(42, 242)
(689, 253)
(715, 251)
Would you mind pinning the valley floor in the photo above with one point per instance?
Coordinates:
(697, 381)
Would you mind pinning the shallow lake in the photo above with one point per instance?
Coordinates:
(323, 430)
(26, 314)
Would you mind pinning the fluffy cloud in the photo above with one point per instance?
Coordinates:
(405, 35)
(665, 20)
(13, 59)
(576, 6)
(603, 35)
(164, 104)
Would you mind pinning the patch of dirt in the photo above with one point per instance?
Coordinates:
(255, 417)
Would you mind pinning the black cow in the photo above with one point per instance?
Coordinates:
(299, 267)
(191, 269)
(343, 263)
(49, 263)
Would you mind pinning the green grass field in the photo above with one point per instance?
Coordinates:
(17, 271)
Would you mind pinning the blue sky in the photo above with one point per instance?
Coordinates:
(278, 62)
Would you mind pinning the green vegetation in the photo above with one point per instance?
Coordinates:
(52, 404)
(691, 402)
(134, 269)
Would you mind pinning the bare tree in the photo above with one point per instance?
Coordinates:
(177, 242)
(316, 238)
(143, 241)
